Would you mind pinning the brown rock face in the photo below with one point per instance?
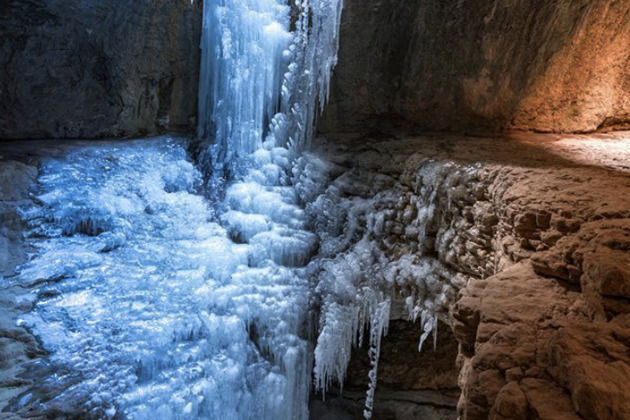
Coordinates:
(553, 66)
(536, 339)
(538, 225)
(82, 69)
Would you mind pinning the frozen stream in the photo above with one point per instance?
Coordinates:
(155, 303)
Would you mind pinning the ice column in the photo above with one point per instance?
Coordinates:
(265, 72)
(244, 52)
(261, 84)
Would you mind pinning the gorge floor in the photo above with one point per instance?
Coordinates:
(499, 205)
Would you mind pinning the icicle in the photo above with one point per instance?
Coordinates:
(379, 321)
(435, 332)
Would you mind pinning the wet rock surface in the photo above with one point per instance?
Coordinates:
(84, 69)
(555, 66)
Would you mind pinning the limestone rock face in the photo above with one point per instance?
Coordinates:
(538, 226)
(552, 66)
(82, 69)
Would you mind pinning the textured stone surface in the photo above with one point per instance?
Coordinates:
(17, 345)
(16, 177)
(83, 68)
(87, 68)
(539, 226)
(559, 66)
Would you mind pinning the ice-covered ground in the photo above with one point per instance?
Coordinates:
(153, 301)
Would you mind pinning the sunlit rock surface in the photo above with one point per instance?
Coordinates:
(559, 66)
(122, 68)
(538, 226)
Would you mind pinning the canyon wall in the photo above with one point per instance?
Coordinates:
(82, 68)
(537, 227)
(87, 68)
(549, 66)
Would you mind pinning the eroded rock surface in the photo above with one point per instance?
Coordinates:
(553, 66)
(82, 69)
(539, 227)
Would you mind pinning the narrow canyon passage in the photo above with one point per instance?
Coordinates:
(238, 209)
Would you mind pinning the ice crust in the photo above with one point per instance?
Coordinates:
(147, 305)
(365, 261)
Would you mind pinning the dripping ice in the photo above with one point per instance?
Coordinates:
(360, 273)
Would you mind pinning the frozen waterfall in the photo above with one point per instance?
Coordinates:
(172, 289)
(164, 289)
(265, 71)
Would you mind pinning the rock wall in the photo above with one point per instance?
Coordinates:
(87, 68)
(18, 172)
(539, 226)
(83, 68)
(549, 66)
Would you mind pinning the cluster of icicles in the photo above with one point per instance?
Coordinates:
(265, 74)
(262, 83)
